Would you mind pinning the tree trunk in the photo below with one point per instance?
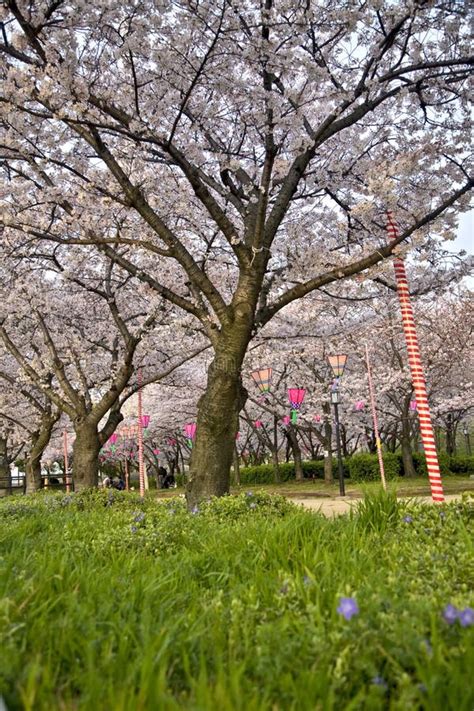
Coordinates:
(236, 466)
(217, 422)
(39, 442)
(86, 455)
(295, 447)
(5, 473)
(328, 475)
(407, 455)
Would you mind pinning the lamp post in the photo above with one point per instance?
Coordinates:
(338, 363)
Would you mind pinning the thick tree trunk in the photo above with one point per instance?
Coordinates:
(217, 422)
(86, 455)
(39, 442)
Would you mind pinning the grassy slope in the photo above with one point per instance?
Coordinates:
(143, 606)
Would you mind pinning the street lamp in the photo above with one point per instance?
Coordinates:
(338, 363)
(263, 379)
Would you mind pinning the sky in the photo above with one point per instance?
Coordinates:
(465, 238)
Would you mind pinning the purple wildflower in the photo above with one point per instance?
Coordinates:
(408, 519)
(133, 529)
(253, 506)
(466, 617)
(450, 614)
(249, 493)
(139, 516)
(348, 607)
(195, 510)
(379, 681)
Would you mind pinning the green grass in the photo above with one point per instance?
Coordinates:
(115, 604)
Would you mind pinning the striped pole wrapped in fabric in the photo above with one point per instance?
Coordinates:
(141, 462)
(416, 369)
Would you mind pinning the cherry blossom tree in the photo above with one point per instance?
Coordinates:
(238, 156)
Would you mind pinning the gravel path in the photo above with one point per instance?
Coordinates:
(343, 504)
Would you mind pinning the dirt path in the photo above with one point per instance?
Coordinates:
(343, 504)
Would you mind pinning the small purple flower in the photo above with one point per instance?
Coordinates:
(195, 510)
(348, 607)
(307, 580)
(139, 516)
(253, 506)
(249, 493)
(408, 519)
(379, 681)
(442, 514)
(450, 614)
(133, 529)
(466, 617)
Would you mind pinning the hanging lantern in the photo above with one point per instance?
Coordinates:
(317, 418)
(337, 363)
(413, 405)
(145, 421)
(171, 441)
(263, 379)
(286, 420)
(113, 438)
(190, 432)
(156, 452)
(296, 397)
(258, 424)
(359, 405)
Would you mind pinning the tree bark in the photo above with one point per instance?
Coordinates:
(86, 448)
(328, 474)
(5, 473)
(39, 442)
(407, 454)
(218, 421)
(295, 447)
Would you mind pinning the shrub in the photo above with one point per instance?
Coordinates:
(365, 467)
(265, 473)
(460, 465)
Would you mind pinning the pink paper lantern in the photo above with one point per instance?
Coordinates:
(145, 421)
(296, 397)
(317, 418)
(413, 405)
(258, 424)
(359, 405)
(190, 430)
(156, 452)
(286, 420)
(113, 438)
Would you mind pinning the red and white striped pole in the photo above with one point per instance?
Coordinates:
(416, 369)
(374, 418)
(141, 463)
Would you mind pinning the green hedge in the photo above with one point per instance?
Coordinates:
(365, 466)
(360, 467)
(461, 465)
